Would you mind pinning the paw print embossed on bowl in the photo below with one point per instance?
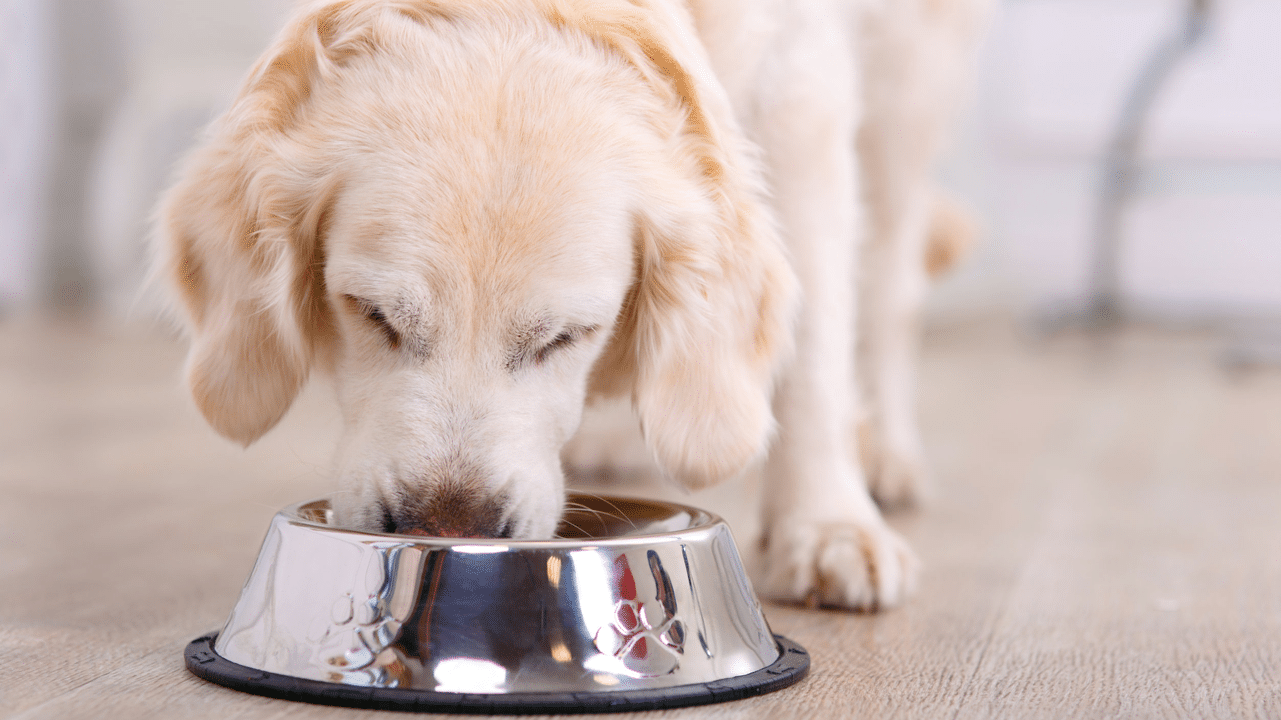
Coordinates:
(645, 635)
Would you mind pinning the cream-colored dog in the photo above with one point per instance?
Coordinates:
(475, 213)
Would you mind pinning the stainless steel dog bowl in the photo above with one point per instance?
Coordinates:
(638, 605)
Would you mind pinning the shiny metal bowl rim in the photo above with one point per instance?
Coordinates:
(701, 523)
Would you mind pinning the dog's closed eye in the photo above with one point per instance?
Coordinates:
(531, 353)
(375, 316)
(565, 339)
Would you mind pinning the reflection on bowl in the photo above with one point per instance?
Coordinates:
(635, 597)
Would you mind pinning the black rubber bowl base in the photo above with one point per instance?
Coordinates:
(791, 667)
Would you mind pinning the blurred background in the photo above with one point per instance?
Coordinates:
(99, 97)
(1105, 531)
(1198, 236)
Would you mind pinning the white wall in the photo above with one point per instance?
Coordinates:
(25, 115)
(1204, 236)
(99, 99)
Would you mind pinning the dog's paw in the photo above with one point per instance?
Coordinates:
(897, 473)
(851, 564)
(900, 478)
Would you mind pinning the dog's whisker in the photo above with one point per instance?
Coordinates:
(576, 527)
(598, 514)
(621, 515)
(579, 507)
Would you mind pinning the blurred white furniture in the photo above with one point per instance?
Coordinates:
(26, 106)
(185, 58)
(1202, 236)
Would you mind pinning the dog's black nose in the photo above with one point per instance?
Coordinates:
(455, 511)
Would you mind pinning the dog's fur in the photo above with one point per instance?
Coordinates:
(476, 213)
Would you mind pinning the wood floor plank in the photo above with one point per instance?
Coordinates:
(1151, 590)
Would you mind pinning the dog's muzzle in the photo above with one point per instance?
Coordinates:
(453, 511)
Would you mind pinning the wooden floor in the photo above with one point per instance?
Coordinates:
(1107, 542)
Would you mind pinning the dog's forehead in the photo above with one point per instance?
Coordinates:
(534, 255)
(490, 206)
(500, 185)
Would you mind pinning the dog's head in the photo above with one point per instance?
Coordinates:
(474, 215)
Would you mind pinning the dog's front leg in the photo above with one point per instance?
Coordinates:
(825, 540)
(892, 292)
(915, 56)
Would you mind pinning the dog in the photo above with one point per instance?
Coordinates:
(475, 215)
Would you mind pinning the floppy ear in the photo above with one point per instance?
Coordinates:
(708, 320)
(238, 242)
